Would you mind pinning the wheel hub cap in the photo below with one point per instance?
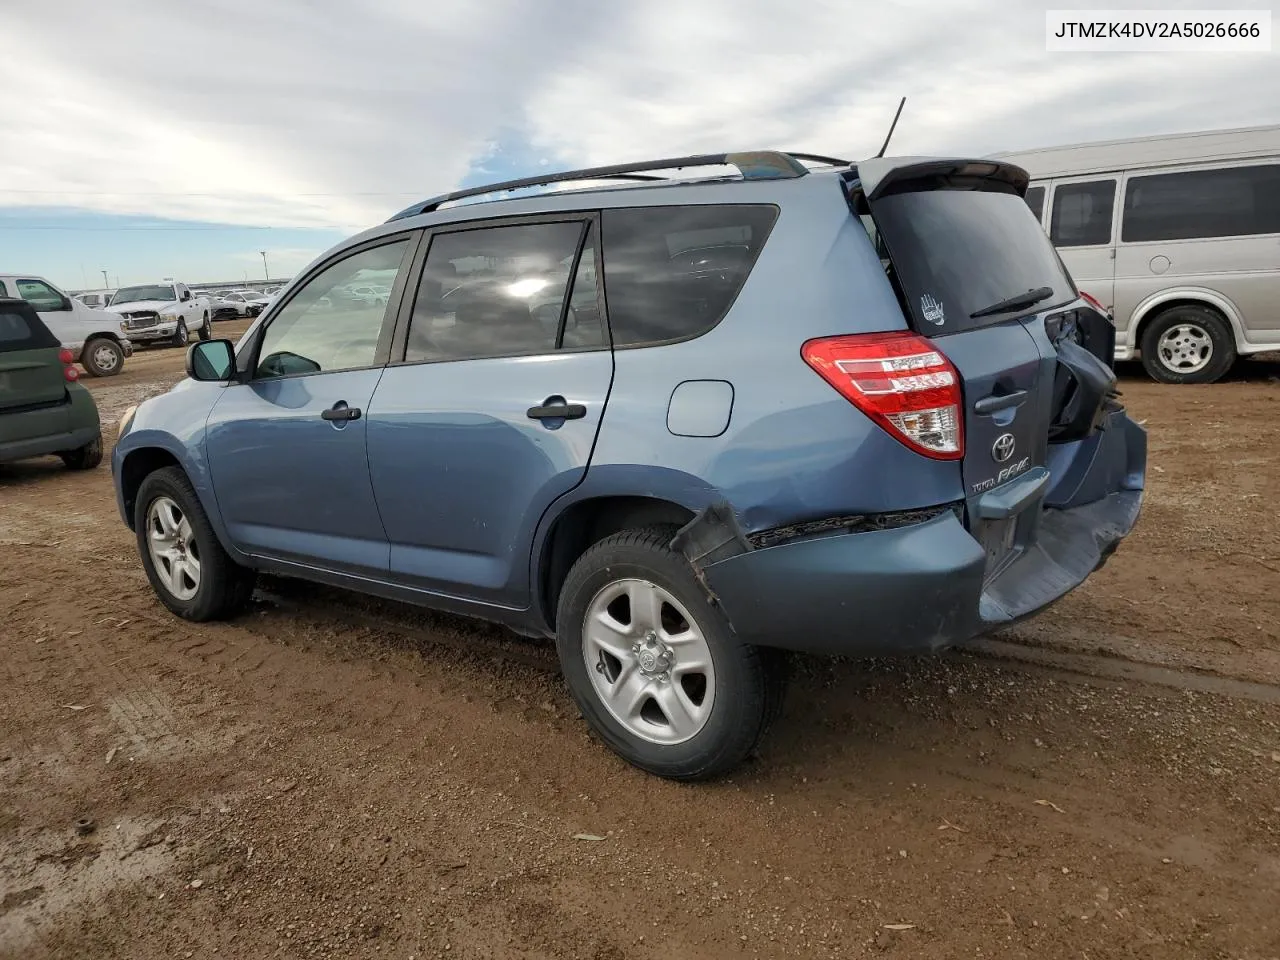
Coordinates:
(648, 661)
(172, 546)
(1186, 348)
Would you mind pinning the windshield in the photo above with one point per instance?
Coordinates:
(137, 294)
(957, 253)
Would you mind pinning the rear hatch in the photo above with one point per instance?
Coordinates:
(33, 388)
(976, 275)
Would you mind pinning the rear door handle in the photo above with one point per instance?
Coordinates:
(558, 411)
(340, 413)
(996, 403)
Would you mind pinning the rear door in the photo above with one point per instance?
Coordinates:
(33, 391)
(1082, 226)
(490, 407)
(977, 275)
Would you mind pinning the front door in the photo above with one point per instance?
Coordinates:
(1082, 227)
(286, 448)
(492, 409)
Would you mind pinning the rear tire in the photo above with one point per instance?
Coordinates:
(682, 698)
(102, 357)
(1188, 344)
(173, 531)
(84, 458)
(206, 329)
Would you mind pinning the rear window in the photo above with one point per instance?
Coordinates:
(959, 252)
(19, 331)
(671, 273)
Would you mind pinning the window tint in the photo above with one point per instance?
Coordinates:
(40, 295)
(18, 332)
(672, 272)
(1035, 200)
(1234, 202)
(327, 325)
(498, 291)
(1082, 213)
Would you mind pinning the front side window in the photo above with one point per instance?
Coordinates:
(40, 295)
(500, 292)
(1082, 213)
(1199, 204)
(671, 273)
(324, 326)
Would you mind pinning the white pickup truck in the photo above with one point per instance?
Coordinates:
(166, 311)
(95, 337)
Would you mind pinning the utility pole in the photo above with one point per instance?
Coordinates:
(105, 281)
(266, 274)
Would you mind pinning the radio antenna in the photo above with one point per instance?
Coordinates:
(892, 127)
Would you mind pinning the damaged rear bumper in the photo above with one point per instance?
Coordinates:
(926, 586)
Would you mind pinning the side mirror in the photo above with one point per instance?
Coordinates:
(66, 304)
(211, 360)
(186, 295)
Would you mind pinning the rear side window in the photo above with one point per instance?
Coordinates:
(1082, 213)
(958, 252)
(505, 292)
(21, 332)
(671, 273)
(1035, 200)
(1198, 204)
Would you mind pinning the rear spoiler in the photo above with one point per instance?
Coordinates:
(879, 173)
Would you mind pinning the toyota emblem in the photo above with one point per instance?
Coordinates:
(1002, 449)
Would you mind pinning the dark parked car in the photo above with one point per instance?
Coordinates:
(679, 426)
(43, 408)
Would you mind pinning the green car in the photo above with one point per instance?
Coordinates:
(43, 409)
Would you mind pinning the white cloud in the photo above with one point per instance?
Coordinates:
(296, 113)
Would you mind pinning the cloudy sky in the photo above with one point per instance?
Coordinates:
(179, 138)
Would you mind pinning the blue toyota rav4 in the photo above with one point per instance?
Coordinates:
(681, 424)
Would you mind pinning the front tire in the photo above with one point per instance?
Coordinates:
(86, 457)
(188, 569)
(180, 336)
(1188, 344)
(102, 357)
(654, 667)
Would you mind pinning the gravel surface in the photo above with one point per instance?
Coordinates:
(331, 776)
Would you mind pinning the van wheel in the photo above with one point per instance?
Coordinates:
(206, 331)
(102, 357)
(654, 667)
(188, 569)
(86, 457)
(1188, 344)
(180, 336)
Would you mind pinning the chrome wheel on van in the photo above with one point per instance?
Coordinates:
(648, 661)
(172, 545)
(1186, 348)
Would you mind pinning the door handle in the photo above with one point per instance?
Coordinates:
(340, 413)
(558, 411)
(996, 403)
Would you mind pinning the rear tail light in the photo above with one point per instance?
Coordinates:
(902, 382)
(68, 360)
(1095, 303)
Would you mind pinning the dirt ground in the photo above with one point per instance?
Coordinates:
(331, 776)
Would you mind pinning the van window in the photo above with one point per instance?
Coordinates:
(1196, 204)
(1035, 200)
(1082, 213)
(671, 273)
(3, 291)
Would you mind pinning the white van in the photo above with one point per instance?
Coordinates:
(1179, 236)
(94, 336)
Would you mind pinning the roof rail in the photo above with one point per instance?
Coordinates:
(818, 158)
(754, 165)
